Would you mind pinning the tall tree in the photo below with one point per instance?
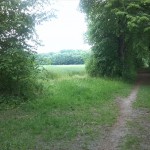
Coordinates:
(17, 30)
(119, 32)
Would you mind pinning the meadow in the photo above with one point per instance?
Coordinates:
(72, 111)
(63, 71)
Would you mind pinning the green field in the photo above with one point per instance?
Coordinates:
(63, 71)
(72, 107)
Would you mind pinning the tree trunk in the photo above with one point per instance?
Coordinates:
(121, 51)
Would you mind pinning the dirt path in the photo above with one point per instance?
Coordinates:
(114, 138)
(119, 130)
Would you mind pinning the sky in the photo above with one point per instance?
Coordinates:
(66, 31)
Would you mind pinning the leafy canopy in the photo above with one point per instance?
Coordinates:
(119, 32)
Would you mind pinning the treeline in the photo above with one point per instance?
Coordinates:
(64, 57)
(119, 35)
(18, 70)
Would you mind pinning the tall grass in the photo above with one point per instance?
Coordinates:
(70, 108)
(62, 71)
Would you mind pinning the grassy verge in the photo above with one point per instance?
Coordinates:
(143, 100)
(70, 109)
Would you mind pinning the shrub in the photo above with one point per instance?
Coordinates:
(18, 74)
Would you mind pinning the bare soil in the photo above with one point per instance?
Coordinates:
(119, 130)
(138, 135)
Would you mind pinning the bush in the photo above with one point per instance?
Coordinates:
(18, 74)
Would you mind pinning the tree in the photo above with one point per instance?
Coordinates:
(17, 30)
(119, 32)
(64, 57)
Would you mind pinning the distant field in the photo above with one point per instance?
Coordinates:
(66, 68)
(63, 71)
(72, 67)
(70, 114)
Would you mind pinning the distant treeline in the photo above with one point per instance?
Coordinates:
(64, 57)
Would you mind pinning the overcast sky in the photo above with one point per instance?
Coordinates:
(66, 31)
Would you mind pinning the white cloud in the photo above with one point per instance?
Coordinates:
(66, 31)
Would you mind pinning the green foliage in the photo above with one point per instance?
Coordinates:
(64, 57)
(17, 62)
(16, 68)
(91, 67)
(118, 32)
